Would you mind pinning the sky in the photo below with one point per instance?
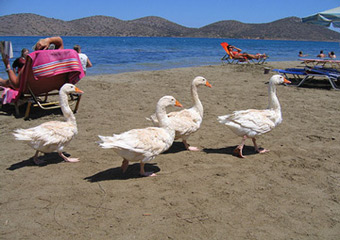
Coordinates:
(189, 13)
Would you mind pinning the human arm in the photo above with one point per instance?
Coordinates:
(13, 80)
(88, 63)
(43, 44)
(237, 49)
(235, 54)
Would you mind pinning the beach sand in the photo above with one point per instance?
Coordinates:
(291, 192)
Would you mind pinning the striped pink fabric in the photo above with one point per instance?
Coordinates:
(8, 95)
(48, 63)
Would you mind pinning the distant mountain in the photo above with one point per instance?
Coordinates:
(288, 28)
(291, 28)
(161, 27)
(32, 25)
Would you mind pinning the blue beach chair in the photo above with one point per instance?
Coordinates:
(331, 74)
(299, 76)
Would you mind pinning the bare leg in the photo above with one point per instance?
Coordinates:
(260, 56)
(250, 56)
(66, 159)
(125, 165)
(36, 160)
(143, 173)
(239, 148)
(190, 148)
(257, 149)
(242, 57)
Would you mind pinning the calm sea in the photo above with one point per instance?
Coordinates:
(125, 54)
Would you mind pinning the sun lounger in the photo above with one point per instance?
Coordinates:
(296, 74)
(45, 72)
(331, 74)
(299, 76)
(330, 63)
(230, 59)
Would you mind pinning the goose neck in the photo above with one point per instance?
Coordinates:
(162, 116)
(65, 108)
(197, 103)
(273, 100)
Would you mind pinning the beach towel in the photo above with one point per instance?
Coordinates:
(8, 95)
(45, 64)
(48, 63)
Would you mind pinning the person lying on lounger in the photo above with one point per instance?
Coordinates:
(13, 80)
(237, 53)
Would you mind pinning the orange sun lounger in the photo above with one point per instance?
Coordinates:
(230, 59)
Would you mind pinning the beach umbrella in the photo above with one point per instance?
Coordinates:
(325, 18)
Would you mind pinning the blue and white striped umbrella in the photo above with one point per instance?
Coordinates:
(325, 18)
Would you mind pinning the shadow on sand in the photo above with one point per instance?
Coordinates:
(117, 174)
(49, 158)
(176, 147)
(8, 110)
(247, 150)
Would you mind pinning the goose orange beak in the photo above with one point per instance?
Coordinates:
(286, 81)
(208, 84)
(79, 91)
(178, 104)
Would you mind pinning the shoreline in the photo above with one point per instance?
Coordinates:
(271, 64)
(291, 192)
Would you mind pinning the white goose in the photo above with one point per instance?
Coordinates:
(187, 121)
(252, 122)
(144, 144)
(54, 135)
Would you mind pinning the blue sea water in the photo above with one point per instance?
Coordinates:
(125, 54)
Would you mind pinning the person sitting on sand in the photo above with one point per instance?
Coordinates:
(321, 54)
(13, 80)
(238, 55)
(331, 55)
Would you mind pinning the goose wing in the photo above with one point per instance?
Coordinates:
(250, 122)
(148, 141)
(49, 133)
(185, 122)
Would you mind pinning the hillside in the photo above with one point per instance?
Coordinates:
(288, 28)
(285, 29)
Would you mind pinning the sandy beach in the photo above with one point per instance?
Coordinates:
(291, 192)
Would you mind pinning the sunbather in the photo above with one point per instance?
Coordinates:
(44, 44)
(236, 53)
(13, 80)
